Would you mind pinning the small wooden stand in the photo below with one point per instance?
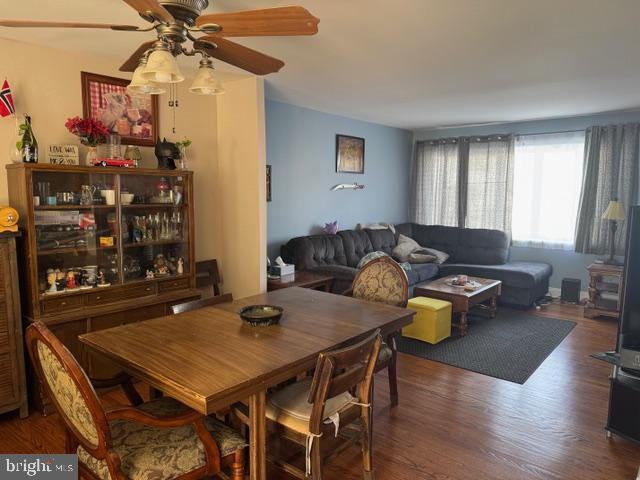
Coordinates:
(605, 290)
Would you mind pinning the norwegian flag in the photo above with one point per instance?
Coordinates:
(6, 101)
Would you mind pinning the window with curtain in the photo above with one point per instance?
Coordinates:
(547, 177)
(435, 183)
(489, 182)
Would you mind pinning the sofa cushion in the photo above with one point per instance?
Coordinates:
(315, 250)
(382, 240)
(465, 245)
(356, 245)
(514, 274)
(482, 247)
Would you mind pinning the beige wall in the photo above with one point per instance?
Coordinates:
(228, 161)
(242, 192)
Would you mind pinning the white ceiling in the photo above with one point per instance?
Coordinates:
(416, 63)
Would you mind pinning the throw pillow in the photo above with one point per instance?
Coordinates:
(370, 256)
(416, 257)
(404, 247)
(377, 226)
(441, 257)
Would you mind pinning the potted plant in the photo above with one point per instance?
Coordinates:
(91, 133)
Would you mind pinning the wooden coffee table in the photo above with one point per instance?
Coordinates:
(462, 300)
(316, 281)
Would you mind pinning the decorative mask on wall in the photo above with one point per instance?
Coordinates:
(166, 153)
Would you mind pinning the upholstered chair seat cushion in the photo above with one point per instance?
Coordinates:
(150, 453)
(290, 406)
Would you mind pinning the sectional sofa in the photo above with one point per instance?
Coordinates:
(479, 252)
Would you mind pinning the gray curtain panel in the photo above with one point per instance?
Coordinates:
(465, 182)
(489, 195)
(611, 158)
(435, 183)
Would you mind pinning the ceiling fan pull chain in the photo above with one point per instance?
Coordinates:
(174, 103)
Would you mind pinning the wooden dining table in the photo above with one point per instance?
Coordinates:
(209, 359)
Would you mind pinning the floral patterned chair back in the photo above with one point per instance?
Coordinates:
(69, 389)
(382, 280)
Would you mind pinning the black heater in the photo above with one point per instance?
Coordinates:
(624, 398)
(570, 292)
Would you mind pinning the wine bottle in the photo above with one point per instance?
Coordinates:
(29, 144)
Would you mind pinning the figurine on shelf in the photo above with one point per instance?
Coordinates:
(102, 282)
(71, 280)
(51, 281)
(171, 265)
(160, 266)
(180, 266)
(149, 275)
(61, 280)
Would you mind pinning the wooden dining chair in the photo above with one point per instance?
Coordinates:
(384, 280)
(208, 276)
(203, 302)
(160, 439)
(321, 414)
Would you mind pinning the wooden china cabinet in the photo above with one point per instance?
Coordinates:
(102, 247)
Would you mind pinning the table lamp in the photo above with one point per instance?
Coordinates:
(614, 213)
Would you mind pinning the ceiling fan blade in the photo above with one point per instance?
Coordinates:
(275, 21)
(132, 63)
(41, 24)
(150, 10)
(238, 55)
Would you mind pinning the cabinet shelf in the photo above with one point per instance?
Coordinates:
(153, 242)
(74, 250)
(74, 207)
(152, 205)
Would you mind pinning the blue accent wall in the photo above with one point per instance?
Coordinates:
(566, 264)
(301, 152)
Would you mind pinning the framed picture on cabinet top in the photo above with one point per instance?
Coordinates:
(349, 154)
(133, 116)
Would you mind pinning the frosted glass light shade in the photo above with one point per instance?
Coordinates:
(139, 84)
(162, 68)
(206, 82)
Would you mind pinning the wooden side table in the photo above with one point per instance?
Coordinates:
(605, 290)
(303, 279)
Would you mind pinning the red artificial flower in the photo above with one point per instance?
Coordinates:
(91, 132)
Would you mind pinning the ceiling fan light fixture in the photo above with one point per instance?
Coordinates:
(162, 66)
(206, 81)
(139, 84)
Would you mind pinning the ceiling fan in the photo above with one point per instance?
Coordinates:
(176, 22)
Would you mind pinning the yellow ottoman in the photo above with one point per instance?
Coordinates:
(432, 321)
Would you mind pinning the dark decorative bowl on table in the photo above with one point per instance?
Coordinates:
(261, 315)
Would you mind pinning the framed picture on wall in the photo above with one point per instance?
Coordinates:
(349, 154)
(133, 116)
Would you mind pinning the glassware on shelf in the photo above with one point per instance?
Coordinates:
(113, 146)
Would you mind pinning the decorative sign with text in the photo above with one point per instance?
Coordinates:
(64, 155)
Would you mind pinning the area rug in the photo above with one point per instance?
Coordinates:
(510, 346)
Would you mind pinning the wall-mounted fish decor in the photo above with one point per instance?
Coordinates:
(347, 186)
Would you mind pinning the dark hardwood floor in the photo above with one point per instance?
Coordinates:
(456, 424)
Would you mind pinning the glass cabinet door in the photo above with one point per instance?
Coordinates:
(76, 231)
(153, 224)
